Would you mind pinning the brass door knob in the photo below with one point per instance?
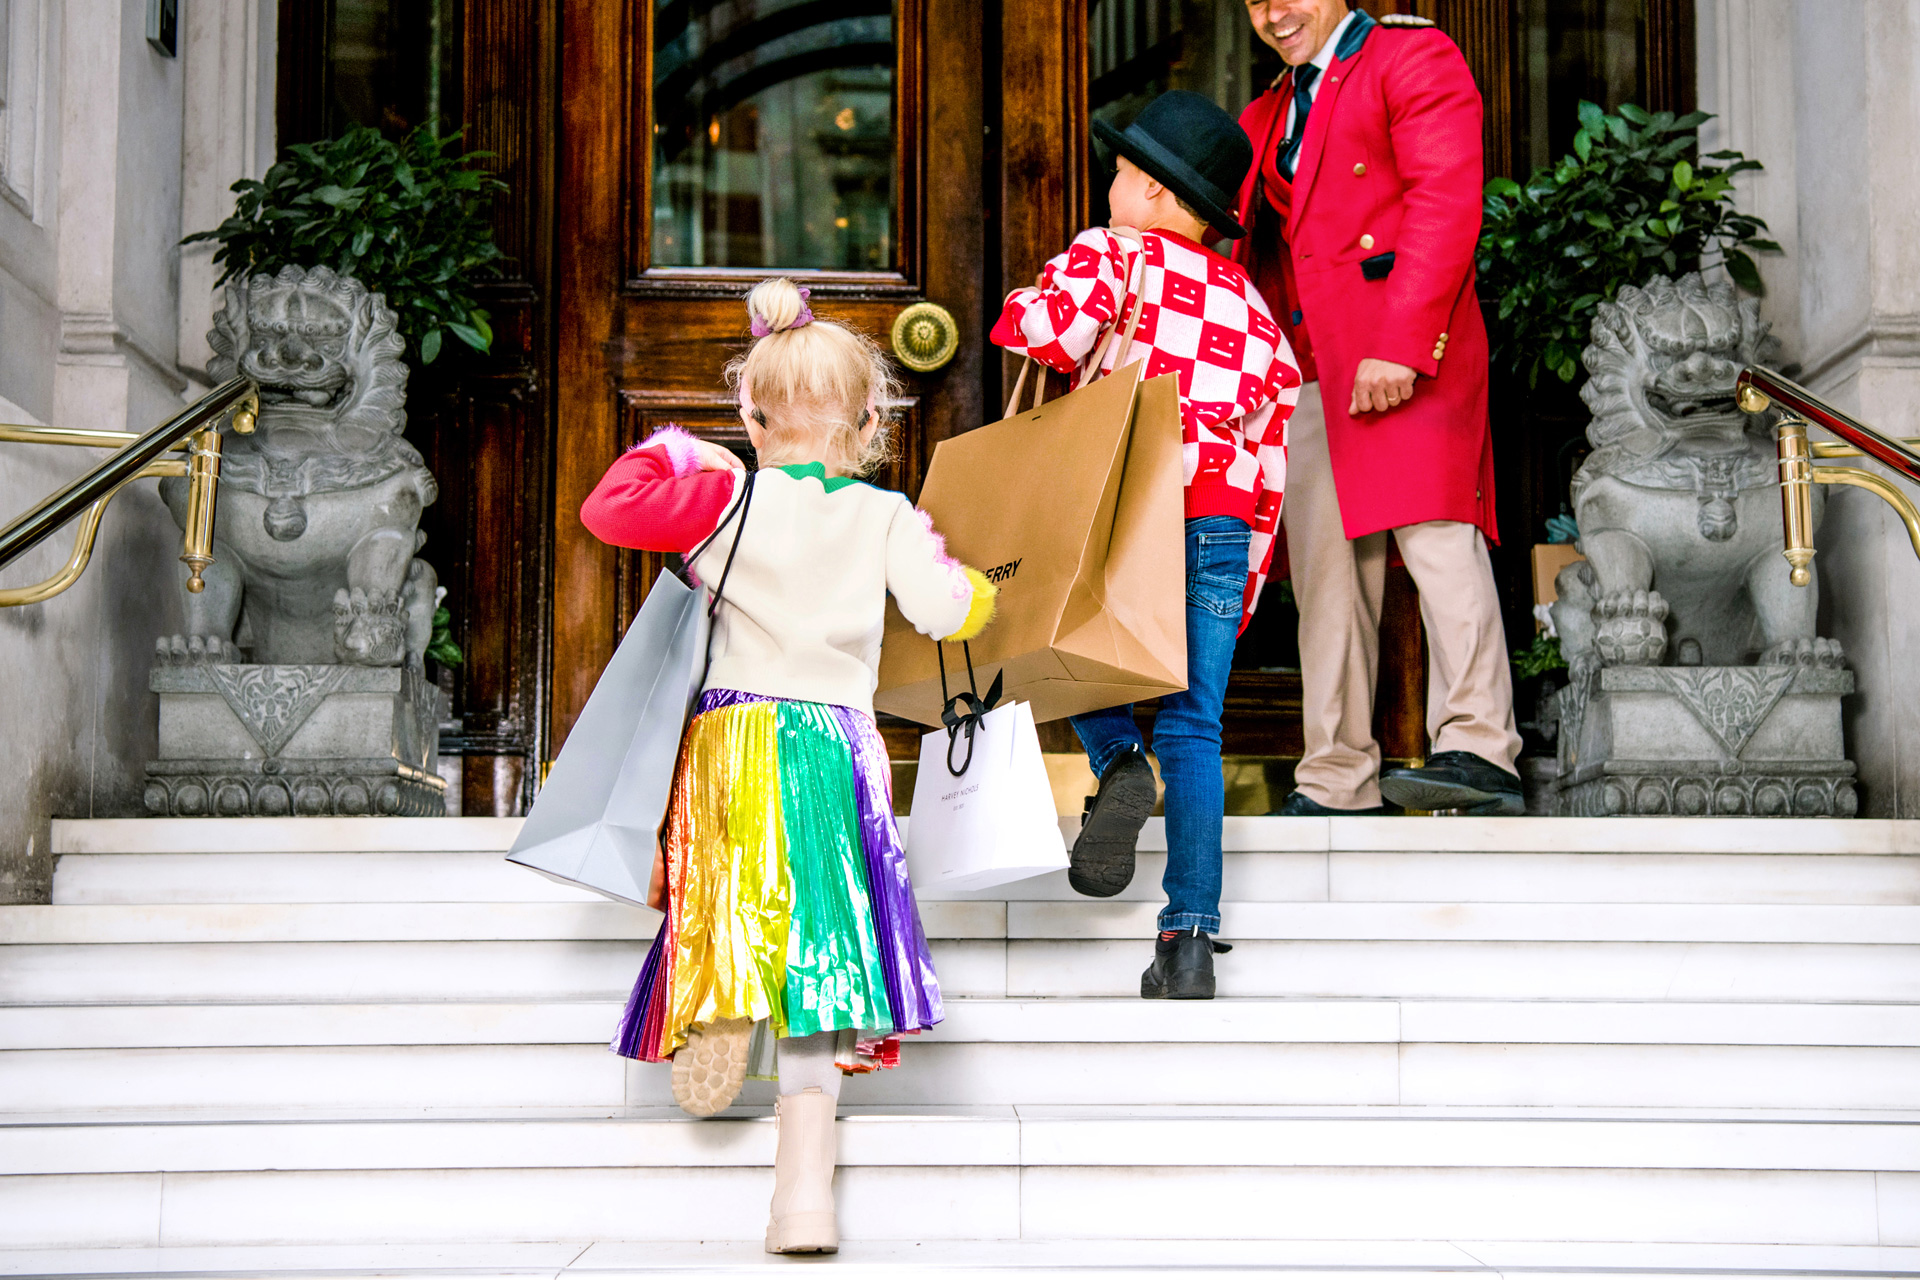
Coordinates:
(925, 337)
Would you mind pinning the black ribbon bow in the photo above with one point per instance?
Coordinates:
(964, 711)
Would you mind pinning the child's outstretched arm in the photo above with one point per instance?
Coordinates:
(1059, 323)
(665, 494)
(940, 596)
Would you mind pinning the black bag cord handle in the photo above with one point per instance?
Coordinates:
(976, 707)
(740, 508)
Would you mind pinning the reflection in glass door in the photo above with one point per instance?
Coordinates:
(773, 134)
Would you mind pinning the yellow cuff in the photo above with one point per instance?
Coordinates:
(980, 613)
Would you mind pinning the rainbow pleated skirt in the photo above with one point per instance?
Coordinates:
(788, 900)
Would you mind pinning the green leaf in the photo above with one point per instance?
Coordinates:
(467, 334)
(430, 346)
(1583, 146)
(1634, 114)
(1745, 272)
(1503, 187)
(362, 241)
(1682, 175)
(1592, 118)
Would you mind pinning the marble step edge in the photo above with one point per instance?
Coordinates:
(1516, 835)
(971, 1137)
(456, 877)
(1168, 1024)
(1060, 921)
(979, 1259)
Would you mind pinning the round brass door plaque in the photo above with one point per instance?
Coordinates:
(925, 337)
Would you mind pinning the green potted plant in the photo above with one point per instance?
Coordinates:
(1628, 204)
(407, 219)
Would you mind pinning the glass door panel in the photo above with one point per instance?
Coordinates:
(773, 135)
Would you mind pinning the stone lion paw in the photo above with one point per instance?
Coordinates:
(1810, 652)
(193, 651)
(1631, 630)
(368, 630)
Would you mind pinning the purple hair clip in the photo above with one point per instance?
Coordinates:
(760, 329)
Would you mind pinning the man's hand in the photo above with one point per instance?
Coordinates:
(713, 457)
(1380, 385)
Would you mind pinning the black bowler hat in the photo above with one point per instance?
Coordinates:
(1192, 147)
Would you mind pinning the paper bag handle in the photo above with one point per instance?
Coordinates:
(1126, 235)
(713, 606)
(976, 706)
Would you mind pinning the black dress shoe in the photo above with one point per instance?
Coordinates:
(1102, 859)
(1456, 780)
(1182, 968)
(1300, 805)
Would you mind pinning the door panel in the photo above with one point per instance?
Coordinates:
(747, 140)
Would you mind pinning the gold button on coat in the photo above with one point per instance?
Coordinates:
(1366, 242)
(1360, 171)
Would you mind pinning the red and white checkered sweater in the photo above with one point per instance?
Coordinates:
(1202, 320)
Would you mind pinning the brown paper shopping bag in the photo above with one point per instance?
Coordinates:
(1076, 508)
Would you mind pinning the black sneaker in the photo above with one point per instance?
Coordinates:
(1456, 780)
(1102, 862)
(1182, 967)
(1298, 804)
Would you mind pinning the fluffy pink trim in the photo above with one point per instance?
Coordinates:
(956, 572)
(679, 447)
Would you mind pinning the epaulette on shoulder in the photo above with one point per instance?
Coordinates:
(1403, 20)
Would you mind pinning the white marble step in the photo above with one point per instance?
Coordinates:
(1030, 1136)
(377, 972)
(100, 879)
(1243, 834)
(178, 1026)
(1029, 1201)
(428, 1078)
(988, 1260)
(1064, 922)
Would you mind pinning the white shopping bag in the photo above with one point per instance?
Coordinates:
(987, 818)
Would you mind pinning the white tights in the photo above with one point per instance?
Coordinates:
(806, 1062)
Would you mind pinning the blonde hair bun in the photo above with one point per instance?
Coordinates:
(777, 305)
(811, 381)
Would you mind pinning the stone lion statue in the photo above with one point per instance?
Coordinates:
(1678, 504)
(317, 520)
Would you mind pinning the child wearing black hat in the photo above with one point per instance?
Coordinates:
(1179, 165)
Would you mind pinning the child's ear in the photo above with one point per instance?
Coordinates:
(870, 421)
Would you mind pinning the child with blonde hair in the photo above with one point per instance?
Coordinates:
(792, 943)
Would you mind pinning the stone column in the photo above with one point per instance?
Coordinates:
(1827, 97)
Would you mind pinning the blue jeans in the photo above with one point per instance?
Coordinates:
(1186, 733)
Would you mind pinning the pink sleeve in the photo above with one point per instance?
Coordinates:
(1080, 293)
(656, 498)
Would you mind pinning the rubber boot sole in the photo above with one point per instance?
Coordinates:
(1101, 864)
(710, 1068)
(805, 1233)
(1182, 986)
(1422, 793)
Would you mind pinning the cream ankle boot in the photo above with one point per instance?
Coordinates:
(804, 1156)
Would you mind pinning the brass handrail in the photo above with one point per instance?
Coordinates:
(1759, 390)
(195, 428)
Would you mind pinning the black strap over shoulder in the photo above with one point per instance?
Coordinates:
(739, 509)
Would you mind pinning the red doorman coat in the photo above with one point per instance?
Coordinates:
(1379, 227)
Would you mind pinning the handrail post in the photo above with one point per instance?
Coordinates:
(1796, 498)
(203, 478)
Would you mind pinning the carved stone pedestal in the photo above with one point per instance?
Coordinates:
(239, 739)
(1724, 741)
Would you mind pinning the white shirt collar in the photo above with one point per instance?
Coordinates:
(1324, 58)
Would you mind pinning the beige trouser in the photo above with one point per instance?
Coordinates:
(1339, 583)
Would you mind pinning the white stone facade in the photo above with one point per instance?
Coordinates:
(1827, 96)
(109, 153)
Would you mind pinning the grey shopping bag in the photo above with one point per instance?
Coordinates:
(597, 821)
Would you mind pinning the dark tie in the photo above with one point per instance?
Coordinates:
(1303, 78)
